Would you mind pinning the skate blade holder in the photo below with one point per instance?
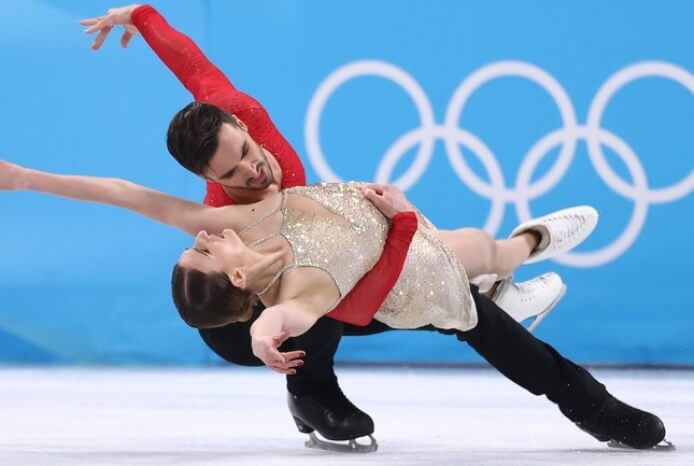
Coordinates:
(540, 317)
(352, 446)
(664, 445)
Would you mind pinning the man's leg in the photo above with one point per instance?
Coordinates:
(315, 399)
(539, 368)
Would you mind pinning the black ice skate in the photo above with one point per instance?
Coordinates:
(624, 426)
(335, 418)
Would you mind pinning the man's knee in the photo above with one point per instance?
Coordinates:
(321, 340)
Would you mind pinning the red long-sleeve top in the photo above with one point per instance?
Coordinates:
(208, 84)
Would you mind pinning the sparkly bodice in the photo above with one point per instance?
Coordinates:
(433, 288)
(334, 243)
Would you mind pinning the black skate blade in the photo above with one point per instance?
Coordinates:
(350, 447)
(664, 445)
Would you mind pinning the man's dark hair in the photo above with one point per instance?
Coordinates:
(209, 300)
(192, 135)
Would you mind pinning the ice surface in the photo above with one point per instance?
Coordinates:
(239, 417)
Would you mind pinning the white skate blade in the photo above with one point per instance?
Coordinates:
(541, 316)
(664, 445)
(350, 447)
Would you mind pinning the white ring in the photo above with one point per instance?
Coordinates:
(638, 218)
(499, 70)
(597, 107)
(524, 190)
(347, 73)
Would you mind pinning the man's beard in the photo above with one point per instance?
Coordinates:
(264, 165)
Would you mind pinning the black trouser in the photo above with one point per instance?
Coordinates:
(504, 343)
(233, 343)
(531, 363)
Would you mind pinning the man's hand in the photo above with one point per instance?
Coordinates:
(266, 349)
(387, 198)
(104, 24)
(12, 177)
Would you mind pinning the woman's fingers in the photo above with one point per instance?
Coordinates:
(294, 355)
(283, 371)
(289, 362)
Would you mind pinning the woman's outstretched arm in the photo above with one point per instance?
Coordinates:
(277, 323)
(179, 213)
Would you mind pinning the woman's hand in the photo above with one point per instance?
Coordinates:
(387, 198)
(114, 17)
(266, 349)
(12, 176)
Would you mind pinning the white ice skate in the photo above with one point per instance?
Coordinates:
(561, 231)
(534, 298)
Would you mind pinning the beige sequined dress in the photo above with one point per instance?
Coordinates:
(433, 288)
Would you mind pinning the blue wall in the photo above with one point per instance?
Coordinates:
(486, 111)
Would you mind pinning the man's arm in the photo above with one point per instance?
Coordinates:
(208, 84)
(363, 302)
(185, 59)
(180, 54)
(204, 80)
(360, 304)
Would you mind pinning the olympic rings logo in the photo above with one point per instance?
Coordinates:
(524, 191)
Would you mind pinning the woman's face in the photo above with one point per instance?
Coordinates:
(215, 253)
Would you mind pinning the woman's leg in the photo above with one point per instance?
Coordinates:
(481, 254)
(544, 237)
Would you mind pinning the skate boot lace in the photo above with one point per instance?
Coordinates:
(531, 291)
(566, 227)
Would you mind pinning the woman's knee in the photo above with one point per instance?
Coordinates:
(475, 248)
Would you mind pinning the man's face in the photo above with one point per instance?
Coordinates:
(239, 163)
